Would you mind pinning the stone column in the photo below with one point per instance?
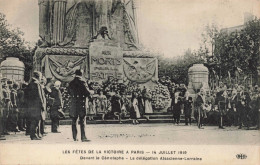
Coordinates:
(59, 11)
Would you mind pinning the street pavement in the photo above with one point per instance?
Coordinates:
(146, 134)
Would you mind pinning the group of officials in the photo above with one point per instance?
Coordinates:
(25, 108)
(236, 106)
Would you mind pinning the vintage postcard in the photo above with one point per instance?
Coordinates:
(130, 82)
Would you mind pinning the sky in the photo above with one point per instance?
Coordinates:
(167, 26)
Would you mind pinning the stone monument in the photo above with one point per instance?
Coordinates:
(198, 78)
(98, 36)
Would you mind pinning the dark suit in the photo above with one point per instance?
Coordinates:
(36, 105)
(78, 91)
(242, 104)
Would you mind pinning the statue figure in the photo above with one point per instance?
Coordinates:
(44, 22)
(74, 23)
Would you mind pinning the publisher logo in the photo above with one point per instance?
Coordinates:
(241, 156)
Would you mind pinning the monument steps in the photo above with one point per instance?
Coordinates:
(153, 118)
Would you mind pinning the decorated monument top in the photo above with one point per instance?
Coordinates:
(76, 23)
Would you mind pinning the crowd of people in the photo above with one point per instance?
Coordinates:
(25, 106)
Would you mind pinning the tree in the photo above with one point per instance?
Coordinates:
(177, 68)
(12, 44)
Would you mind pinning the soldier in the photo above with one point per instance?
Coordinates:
(78, 90)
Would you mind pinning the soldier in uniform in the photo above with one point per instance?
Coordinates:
(78, 90)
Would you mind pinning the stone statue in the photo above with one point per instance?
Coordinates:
(74, 23)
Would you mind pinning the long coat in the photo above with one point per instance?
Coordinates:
(57, 102)
(34, 95)
(78, 90)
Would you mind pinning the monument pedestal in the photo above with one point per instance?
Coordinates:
(61, 63)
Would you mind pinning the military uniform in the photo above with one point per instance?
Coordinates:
(78, 90)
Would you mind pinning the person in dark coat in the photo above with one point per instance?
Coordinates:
(187, 110)
(176, 108)
(222, 103)
(21, 107)
(140, 100)
(36, 105)
(242, 103)
(116, 105)
(56, 107)
(78, 90)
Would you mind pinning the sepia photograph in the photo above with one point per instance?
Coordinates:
(130, 82)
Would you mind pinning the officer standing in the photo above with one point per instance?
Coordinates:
(78, 90)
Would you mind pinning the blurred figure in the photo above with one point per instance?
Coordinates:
(147, 103)
(21, 107)
(176, 107)
(200, 112)
(56, 107)
(134, 112)
(101, 103)
(116, 105)
(6, 107)
(2, 136)
(44, 113)
(13, 115)
(188, 110)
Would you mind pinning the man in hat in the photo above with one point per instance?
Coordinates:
(78, 90)
(36, 105)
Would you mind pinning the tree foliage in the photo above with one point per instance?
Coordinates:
(12, 44)
(238, 50)
(177, 69)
